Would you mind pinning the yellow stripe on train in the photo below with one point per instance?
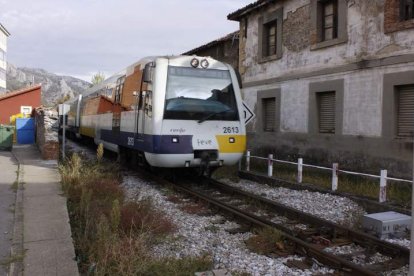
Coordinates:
(87, 131)
(231, 143)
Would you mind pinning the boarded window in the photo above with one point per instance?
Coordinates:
(329, 20)
(269, 114)
(406, 10)
(405, 110)
(326, 112)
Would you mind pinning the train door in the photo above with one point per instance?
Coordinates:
(145, 100)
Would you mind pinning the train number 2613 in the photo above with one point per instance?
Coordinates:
(230, 129)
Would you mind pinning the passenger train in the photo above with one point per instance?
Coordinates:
(171, 112)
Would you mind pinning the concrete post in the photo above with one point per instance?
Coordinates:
(248, 161)
(383, 186)
(64, 138)
(334, 176)
(270, 165)
(300, 170)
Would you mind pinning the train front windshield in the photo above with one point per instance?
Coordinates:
(200, 94)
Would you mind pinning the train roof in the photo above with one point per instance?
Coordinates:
(110, 82)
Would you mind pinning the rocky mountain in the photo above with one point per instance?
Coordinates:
(54, 87)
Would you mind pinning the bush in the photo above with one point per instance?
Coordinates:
(114, 237)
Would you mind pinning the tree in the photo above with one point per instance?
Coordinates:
(98, 78)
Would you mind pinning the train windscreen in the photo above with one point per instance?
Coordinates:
(200, 94)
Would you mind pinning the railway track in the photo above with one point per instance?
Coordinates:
(370, 205)
(303, 234)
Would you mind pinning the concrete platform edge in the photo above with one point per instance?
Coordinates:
(17, 249)
(48, 259)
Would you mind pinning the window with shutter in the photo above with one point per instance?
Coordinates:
(269, 114)
(405, 110)
(326, 112)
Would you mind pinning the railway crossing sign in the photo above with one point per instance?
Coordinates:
(248, 114)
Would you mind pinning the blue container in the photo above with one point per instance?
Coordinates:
(25, 131)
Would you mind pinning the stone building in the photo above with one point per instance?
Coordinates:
(225, 49)
(4, 34)
(330, 81)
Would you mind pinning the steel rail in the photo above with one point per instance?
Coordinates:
(302, 247)
(359, 237)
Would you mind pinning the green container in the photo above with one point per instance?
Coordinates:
(6, 137)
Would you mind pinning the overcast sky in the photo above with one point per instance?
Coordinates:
(82, 37)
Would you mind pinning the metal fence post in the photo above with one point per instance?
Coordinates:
(270, 165)
(248, 160)
(383, 186)
(335, 176)
(300, 170)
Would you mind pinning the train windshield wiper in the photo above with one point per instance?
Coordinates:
(213, 114)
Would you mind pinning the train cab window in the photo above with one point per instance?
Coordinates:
(200, 94)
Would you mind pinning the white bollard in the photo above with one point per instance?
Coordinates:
(248, 161)
(300, 170)
(335, 176)
(383, 186)
(270, 165)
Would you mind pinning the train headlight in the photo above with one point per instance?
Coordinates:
(195, 62)
(175, 140)
(232, 140)
(204, 63)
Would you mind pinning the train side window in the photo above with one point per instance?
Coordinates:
(118, 89)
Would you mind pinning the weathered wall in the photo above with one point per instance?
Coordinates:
(47, 132)
(225, 50)
(363, 63)
(366, 40)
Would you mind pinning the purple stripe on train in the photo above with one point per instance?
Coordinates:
(160, 144)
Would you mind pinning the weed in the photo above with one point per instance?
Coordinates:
(179, 267)
(194, 208)
(267, 240)
(15, 186)
(12, 259)
(212, 228)
(99, 152)
(227, 173)
(138, 217)
(114, 237)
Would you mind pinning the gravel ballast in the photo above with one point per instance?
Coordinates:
(337, 209)
(207, 235)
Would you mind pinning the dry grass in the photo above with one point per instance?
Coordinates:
(268, 240)
(114, 237)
